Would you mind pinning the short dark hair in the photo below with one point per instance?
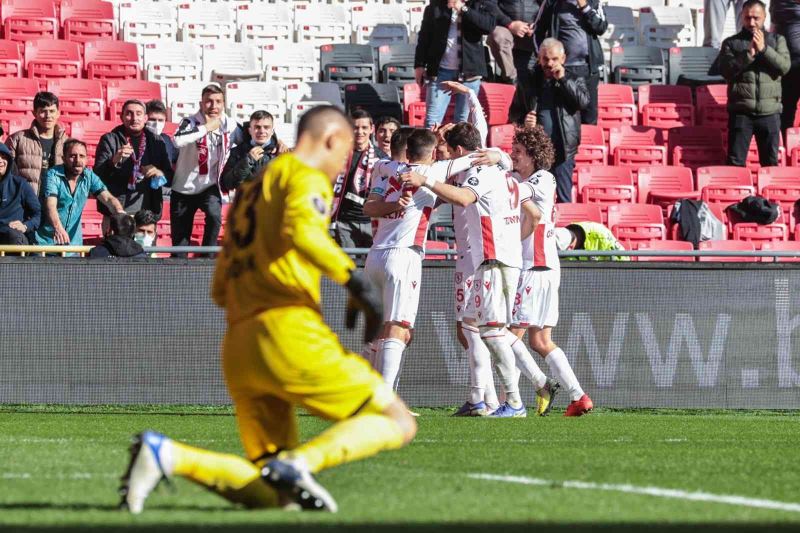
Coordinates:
(133, 101)
(314, 121)
(751, 3)
(155, 106)
(359, 113)
(387, 120)
(145, 217)
(44, 99)
(464, 135)
(578, 235)
(122, 224)
(72, 142)
(421, 143)
(537, 145)
(261, 115)
(399, 141)
(212, 89)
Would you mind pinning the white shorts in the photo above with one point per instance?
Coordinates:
(397, 273)
(463, 288)
(536, 304)
(491, 300)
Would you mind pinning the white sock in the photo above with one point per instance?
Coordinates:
(504, 361)
(525, 362)
(490, 394)
(559, 366)
(480, 363)
(391, 356)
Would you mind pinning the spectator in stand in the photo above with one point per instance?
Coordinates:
(40, 147)
(785, 16)
(511, 41)
(578, 24)
(133, 163)
(450, 48)
(715, 12)
(384, 129)
(119, 242)
(204, 141)
(554, 100)
(753, 62)
(146, 228)
(352, 228)
(66, 189)
(20, 210)
(156, 120)
(260, 146)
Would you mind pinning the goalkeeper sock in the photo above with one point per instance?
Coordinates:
(480, 364)
(559, 365)
(232, 477)
(350, 440)
(391, 357)
(525, 362)
(504, 361)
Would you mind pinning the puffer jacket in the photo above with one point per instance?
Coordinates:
(754, 83)
(27, 152)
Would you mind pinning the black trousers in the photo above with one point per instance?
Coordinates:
(182, 208)
(12, 237)
(790, 94)
(589, 116)
(742, 127)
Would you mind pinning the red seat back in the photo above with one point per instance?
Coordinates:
(10, 60)
(111, 60)
(16, 96)
(782, 246)
(24, 20)
(566, 214)
(87, 20)
(673, 183)
(636, 222)
(606, 185)
(696, 146)
(728, 246)
(615, 106)
(496, 100)
(711, 105)
(50, 58)
(90, 131)
(724, 184)
(658, 245)
(501, 137)
(118, 91)
(79, 98)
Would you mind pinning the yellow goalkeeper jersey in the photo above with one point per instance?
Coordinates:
(277, 244)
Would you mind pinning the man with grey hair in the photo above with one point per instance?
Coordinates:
(554, 99)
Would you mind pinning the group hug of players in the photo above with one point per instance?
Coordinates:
(507, 268)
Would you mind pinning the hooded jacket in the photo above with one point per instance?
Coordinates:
(26, 151)
(241, 166)
(117, 246)
(18, 200)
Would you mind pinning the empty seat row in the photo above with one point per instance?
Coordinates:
(52, 58)
(74, 20)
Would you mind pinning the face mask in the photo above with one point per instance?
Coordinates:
(144, 240)
(155, 126)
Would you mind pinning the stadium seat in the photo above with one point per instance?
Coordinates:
(245, 97)
(414, 106)
(289, 62)
(638, 65)
(605, 185)
(79, 99)
(716, 209)
(689, 66)
(51, 58)
(666, 27)
(781, 246)
(379, 99)
(696, 146)
(634, 223)
(592, 150)
(712, 106)
(90, 131)
(264, 23)
(224, 62)
(622, 31)
(92, 227)
(722, 184)
(753, 163)
(666, 106)
(758, 234)
(298, 109)
(396, 63)
(347, 63)
(183, 98)
(367, 19)
(637, 146)
(145, 21)
(286, 133)
(496, 100)
(782, 185)
(111, 60)
(166, 62)
(87, 20)
(665, 246)
(431, 246)
(10, 59)
(663, 186)
(117, 91)
(568, 213)
(501, 137)
(615, 106)
(24, 20)
(206, 22)
(322, 24)
(441, 224)
(16, 96)
(321, 91)
(793, 146)
(728, 246)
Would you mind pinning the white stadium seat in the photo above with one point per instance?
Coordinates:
(289, 62)
(298, 109)
(287, 133)
(322, 23)
(366, 17)
(206, 22)
(265, 23)
(183, 98)
(622, 29)
(666, 27)
(231, 61)
(245, 97)
(167, 61)
(143, 22)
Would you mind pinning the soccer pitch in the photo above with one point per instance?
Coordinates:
(615, 470)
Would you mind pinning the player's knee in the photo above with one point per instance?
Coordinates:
(541, 345)
(399, 413)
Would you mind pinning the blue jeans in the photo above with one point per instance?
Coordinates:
(563, 173)
(437, 99)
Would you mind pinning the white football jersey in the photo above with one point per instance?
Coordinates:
(539, 249)
(493, 222)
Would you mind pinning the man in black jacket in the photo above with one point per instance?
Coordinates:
(450, 47)
(119, 242)
(260, 146)
(554, 99)
(578, 24)
(511, 40)
(132, 162)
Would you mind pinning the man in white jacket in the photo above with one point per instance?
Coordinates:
(204, 141)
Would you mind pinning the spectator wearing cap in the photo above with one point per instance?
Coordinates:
(259, 147)
(40, 147)
(119, 242)
(20, 210)
(384, 129)
(156, 120)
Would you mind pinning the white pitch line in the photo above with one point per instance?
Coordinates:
(729, 499)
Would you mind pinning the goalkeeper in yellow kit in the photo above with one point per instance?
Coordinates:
(278, 353)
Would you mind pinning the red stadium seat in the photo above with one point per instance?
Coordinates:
(496, 100)
(592, 150)
(677, 246)
(753, 162)
(87, 20)
(615, 106)
(793, 146)
(606, 185)
(29, 19)
(16, 96)
(566, 214)
(118, 91)
(414, 106)
(635, 223)
(79, 98)
(781, 246)
(431, 246)
(111, 60)
(637, 146)
(49, 58)
(12, 124)
(501, 137)
(758, 234)
(673, 229)
(782, 185)
(725, 185)
(663, 186)
(92, 227)
(696, 146)
(712, 106)
(10, 60)
(666, 106)
(90, 131)
(728, 246)
(170, 128)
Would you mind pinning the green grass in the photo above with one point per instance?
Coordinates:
(59, 469)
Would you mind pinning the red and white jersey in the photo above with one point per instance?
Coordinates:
(493, 222)
(539, 249)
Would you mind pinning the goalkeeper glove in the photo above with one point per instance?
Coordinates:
(364, 298)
